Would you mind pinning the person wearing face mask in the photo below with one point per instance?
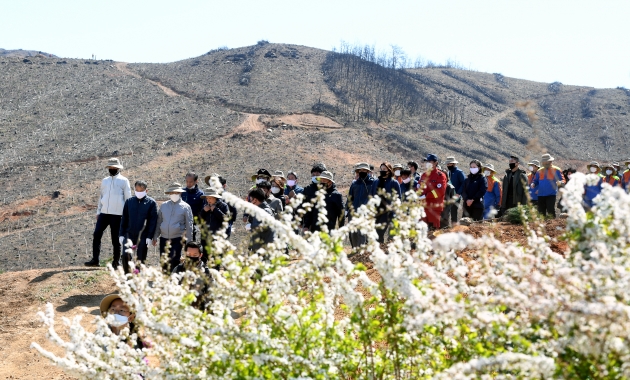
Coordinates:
(113, 306)
(274, 203)
(397, 171)
(515, 190)
(115, 190)
(457, 178)
(625, 176)
(475, 188)
(213, 215)
(408, 183)
(175, 223)
(492, 197)
(433, 186)
(547, 181)
(610, 175)
(231, 209)
(311, 189)
(413, 166)
(193, 196)
(194, 261)
(261, 234)
(261, 175)
(277, 190)
(388, 188)
(333, 204)
(138, 224)
(533, 167)
(592, 190)
(358, 195)
(292, 188)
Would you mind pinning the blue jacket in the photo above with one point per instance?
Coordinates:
(492, 198)
(391, 186)
(194, 200)
(405, 187)
(139, 218)
(590, 192)
(334, 210)
(475, 187)
(545, 181)
(296, 188)
(359, 193)
(214, 219)
(458, 178)
(533, 193)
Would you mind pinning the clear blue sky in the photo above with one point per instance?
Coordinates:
(574, 42)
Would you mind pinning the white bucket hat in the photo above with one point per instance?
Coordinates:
(327, 175)
(211, 192)
(547, 158)
(113, 163)
(174, 188)
(450, 160)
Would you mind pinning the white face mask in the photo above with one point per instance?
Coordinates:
(140, 194)
(275, 190)
(593, 169)
(474, 170)
(486, 173)
(609, 172)
(174, 197)
(397, 173)
(628, 165)
(120, 319)
(314, 179)
(428, 165)
(259, 180)
(531, 168)
(291, 182)
(406, 180)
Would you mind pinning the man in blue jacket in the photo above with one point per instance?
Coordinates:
(547, 181)
(358, 195)
(138, 223)
(457, 178)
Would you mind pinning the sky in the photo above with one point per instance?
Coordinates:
(575, 42)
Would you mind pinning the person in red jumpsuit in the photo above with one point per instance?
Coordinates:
(432, 189)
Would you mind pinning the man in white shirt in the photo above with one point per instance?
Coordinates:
(115, 190)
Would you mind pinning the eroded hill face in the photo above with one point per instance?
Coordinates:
(235, 111)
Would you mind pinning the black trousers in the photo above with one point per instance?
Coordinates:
(384, 219)
(474, 213)
(104, 221)
(455, 210)
(547, 206)
(141, 251)
(174, 254)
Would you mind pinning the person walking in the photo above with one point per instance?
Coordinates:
(214, 214)
(262, 235)
(492, 197)
(432, 190)
(533, 167)
(547, 181)
(194, 261)
(175, 220)
(312, 188)
(358, 195)
(610, 175)
(388, 188)
(115, 190)
(514, 186)
(138, 224)
(333, 205)
(475, 187)
(592, 190)
(625, 176)
(231, 209)
(193, 195)
(457, 178)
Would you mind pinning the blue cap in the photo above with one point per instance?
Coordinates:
(431, 157)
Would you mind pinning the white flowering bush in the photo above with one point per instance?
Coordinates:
(514, 312)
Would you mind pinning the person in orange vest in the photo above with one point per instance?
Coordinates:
(432, 190)
(547, 180)
(592, 191)
(492, 198)
(398, 168)
(610, 175)
(625, 176)
(533, 167)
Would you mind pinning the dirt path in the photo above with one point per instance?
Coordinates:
(122, 66)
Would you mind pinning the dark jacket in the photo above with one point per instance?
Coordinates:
(475, 187)
(309, 194)
(214, 219)
(233, 215)
(139, 218)
(202, 285)
(261, 234)
(334, 210)
(391, 186)
(519, 187)
(359, 193)
(194, 199)
(457, 178)
(296, 188)
(405, 187)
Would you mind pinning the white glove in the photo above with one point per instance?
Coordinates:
(533, 186)
(423, 197)
(248, 227)
(121, 239)
(148, 241)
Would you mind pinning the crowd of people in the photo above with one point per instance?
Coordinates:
(192, 216)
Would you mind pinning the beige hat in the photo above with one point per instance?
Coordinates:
(626, 161)
(107, 302)
(397, 166)
(174, 188)
(211, 192)
(207, 179)
(546, 158)
(489, 167)
(362, 165)
(327, 175)
(113, 163)
(610, 166)
(279, 173)
(535, 163)
(593, 163)
(450, 160)
(616, 164)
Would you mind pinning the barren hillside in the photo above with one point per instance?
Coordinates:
(269, 105)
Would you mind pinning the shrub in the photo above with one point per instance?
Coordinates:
(517, 311)
(520, 214)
